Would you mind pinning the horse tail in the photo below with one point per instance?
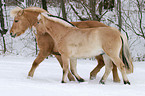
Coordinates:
(126, 57)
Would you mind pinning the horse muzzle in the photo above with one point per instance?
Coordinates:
(12, 35)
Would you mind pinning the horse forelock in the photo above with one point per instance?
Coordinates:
(15, 11)
(56, 19)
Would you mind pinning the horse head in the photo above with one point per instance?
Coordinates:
(20, 23)
(23, 19)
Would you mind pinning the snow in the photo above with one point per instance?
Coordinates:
(47, 79)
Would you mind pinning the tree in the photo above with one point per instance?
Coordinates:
(133, 18)
(64, 15)
(44, 4)
(2, 28)
(140, 6)
(95, 9)
(119, 14)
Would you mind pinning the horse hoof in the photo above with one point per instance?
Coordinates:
(116, 80)
(102, 82)
(81, 80)
(92, 77)
(127, 82)
(29, 77)
(63, 82)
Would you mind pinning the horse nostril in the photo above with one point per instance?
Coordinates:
(11, 34)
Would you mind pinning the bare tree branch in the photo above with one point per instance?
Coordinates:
(76, 12)
(138, 31)
(20, 4)
(103, 14)
(84, 5)
(140, 16)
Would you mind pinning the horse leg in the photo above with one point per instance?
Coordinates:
(73, 64)
(113, 53)
(41, 56)
(65, 61)
(70, 76)
(108, 68)
(115, 73)
(97, 68)
(118, 62)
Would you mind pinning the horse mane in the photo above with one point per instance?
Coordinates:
(35, 9)
(57, 19)
(15, 11)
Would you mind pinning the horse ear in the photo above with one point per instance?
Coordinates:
(14, 12)
(20, 12)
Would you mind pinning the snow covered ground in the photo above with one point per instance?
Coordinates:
(47, 79)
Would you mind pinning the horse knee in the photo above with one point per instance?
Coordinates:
(122, 66)
(35, 64)
(111, 66)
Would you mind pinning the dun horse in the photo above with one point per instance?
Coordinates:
(28, 17)
(73, 42)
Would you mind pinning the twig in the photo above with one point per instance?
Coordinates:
(76, 12)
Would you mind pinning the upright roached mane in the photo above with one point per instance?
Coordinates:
(56, 19)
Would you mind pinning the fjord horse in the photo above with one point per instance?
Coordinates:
(73, 42)
(25, 19)
(28, 17)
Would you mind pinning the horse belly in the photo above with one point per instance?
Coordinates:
(85, 45)
(86, 52)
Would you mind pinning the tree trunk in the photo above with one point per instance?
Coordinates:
(63, 9)
(2, 29)
(119, 14)
(93, 9)
(44, 5)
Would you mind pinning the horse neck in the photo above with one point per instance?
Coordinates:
(57, 30)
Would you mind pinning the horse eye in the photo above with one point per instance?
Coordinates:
(16, 20)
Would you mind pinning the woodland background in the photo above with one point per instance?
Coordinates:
(126, 15)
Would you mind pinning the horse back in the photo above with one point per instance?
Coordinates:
(88, 24)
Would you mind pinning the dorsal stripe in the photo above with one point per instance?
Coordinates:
(56, 19)
(61, 18)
